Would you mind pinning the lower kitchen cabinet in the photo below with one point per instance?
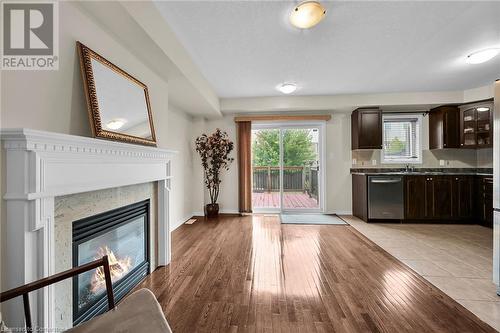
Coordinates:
(484, 202)
(415, 198)
(441, 197)
(463, 197)
(439, 194)
(437, 198)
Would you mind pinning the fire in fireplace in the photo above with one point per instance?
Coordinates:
(123, 235)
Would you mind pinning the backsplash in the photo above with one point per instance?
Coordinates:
(446, 158)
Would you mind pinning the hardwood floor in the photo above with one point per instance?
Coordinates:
(239, 274)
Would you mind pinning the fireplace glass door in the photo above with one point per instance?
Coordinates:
(122, 235)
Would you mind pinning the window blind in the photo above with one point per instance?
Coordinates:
(401, 139)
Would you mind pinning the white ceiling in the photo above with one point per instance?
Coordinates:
(246, 48)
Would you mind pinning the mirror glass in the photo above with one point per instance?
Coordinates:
(122, 103)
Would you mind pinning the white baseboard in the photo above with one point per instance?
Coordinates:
(229, 211)
(181, 222)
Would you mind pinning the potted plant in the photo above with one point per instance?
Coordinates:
(214, 151)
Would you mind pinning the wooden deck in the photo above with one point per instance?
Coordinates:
(253, 274)
(290, 200)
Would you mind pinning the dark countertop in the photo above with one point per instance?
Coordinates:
(422, 171)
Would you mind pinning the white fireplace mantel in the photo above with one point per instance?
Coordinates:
(41, 166)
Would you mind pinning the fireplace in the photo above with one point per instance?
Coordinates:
(123, 235)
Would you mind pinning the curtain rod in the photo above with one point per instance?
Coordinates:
(282, 117)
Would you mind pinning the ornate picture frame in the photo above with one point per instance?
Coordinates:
(91, 94)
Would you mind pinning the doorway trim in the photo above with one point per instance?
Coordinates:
(321, 125)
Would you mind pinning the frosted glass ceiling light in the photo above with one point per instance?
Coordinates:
(482, 56)
(307, 14)
(287, 88)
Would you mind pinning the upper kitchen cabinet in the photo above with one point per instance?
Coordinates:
(366, 129)
(444, 127)
(476, 125)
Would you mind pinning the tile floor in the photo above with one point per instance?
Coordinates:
(455, 258)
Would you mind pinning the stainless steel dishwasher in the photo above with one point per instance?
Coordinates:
(385, 197)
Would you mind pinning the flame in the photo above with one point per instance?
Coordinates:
(117, 267)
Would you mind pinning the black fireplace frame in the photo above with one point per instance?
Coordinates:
(93, 226)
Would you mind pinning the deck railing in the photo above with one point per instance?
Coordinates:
(295, 179)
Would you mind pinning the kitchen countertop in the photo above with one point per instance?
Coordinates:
(423, 171)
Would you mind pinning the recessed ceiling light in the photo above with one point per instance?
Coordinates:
(483, 109)
(307, 14)
(482, 56)
(115, 124)
(287, 88)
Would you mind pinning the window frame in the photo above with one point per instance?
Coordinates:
(419, 132)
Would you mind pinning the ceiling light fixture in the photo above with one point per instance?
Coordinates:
(115, 124)
(307, 14)
(482, 56)
(287, 88)
(483, 109)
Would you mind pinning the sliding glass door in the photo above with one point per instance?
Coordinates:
(266, 180)
(300, 168)
(287, 167)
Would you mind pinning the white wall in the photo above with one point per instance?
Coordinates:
(54, 100)
(179, 127)
(338, 163)
(452, 158)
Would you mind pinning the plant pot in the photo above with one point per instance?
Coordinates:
(212, 210)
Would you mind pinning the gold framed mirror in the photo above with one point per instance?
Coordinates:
(118, 104)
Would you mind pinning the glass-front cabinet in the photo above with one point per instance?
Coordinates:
(476, 125)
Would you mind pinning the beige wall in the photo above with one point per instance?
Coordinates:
(339, 162)
(179, 137)
(54, 100)
(452, 158)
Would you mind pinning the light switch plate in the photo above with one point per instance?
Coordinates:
(441, 162)
(354, 162)
(374, 162)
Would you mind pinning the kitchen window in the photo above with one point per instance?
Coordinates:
(402, 139)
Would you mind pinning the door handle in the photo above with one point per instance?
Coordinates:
(385, 181)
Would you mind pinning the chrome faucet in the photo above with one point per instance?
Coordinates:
(409, 168)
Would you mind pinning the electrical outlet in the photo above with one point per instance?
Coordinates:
(441, 162)
(354, 162)
(374, 162)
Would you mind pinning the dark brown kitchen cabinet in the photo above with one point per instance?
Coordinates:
(484, 204)
(438, 200)
(444, 127)
(439, 197)
(415, 197)
(463, 197)
(366, 129)
(360, 196)
(476, 126)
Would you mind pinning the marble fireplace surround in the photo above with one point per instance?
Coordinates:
(41, 166)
